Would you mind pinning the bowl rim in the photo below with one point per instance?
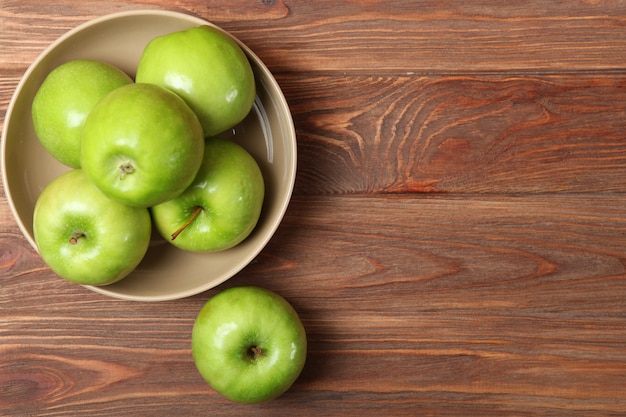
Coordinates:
(270, 83)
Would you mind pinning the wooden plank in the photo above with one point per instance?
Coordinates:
(480, 306)
(472, 133)
(475, 133)
(363, 36)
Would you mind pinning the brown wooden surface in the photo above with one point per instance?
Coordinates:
(456, 244)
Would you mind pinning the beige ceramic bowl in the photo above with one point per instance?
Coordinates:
(267, 133)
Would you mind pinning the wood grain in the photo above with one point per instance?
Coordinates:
(471, 308)
(372, 36)
(478, 133)
(456, 244)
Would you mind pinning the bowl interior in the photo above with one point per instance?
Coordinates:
(267, 133)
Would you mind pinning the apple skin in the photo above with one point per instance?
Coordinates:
(208, 69)
(233, 323)
(141, 145)
(86, 237)
(230, 189)
(63, 101)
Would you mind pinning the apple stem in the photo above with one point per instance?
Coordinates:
(126, 169)
(255, 352)
(75, 236)
(188, 222)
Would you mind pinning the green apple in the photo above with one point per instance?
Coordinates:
(208, 69)
(142, 145)
(86, 237)
(222, 205)
(249, 344)
(65, 98)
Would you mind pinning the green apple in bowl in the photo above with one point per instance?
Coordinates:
(86, 237)
(142, 145)
(65, 98)
(222, 205)
(249, 344)
(208, 69)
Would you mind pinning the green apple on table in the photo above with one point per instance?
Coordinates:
(84, 236)
(63, 101)
(208, 69)
(222, 205)
(249, 344)
(142, 145)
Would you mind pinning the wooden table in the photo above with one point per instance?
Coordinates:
(456, 242)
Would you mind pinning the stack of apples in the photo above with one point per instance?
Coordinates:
(147, 152)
